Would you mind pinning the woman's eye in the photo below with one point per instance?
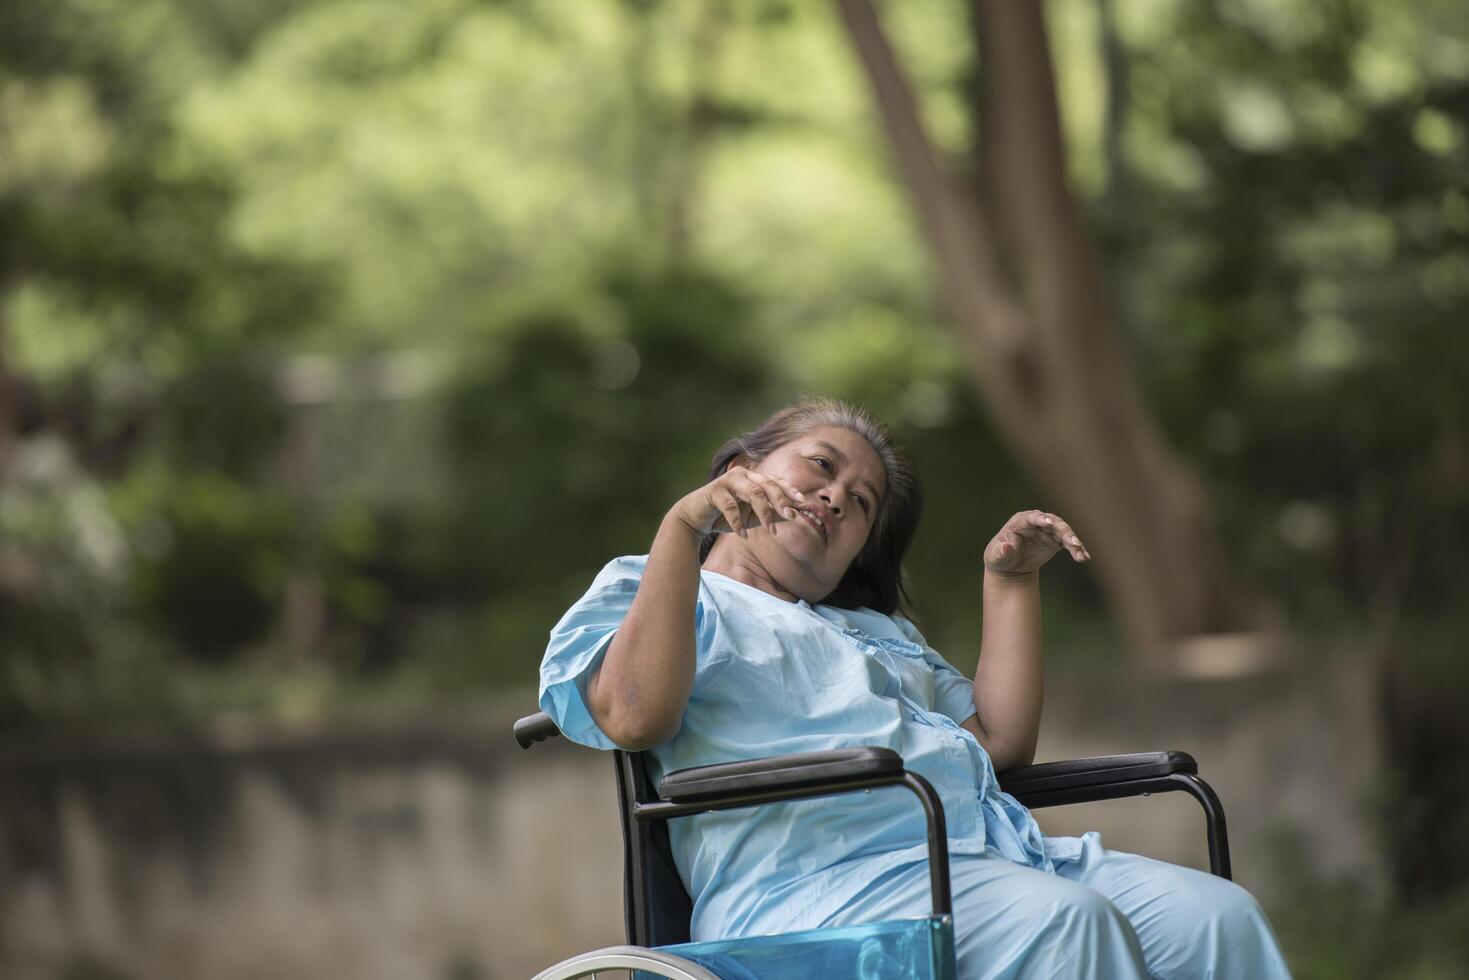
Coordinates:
(822, 461)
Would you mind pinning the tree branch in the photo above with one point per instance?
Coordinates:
(1024, 160)
(951, 219)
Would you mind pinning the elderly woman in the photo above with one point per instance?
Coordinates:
(784, 636)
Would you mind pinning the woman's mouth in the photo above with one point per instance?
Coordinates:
(814, 522)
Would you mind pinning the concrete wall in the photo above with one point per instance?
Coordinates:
(453, 854)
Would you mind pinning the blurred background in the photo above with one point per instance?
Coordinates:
(343, 341)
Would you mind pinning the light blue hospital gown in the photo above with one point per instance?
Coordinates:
(775, 677)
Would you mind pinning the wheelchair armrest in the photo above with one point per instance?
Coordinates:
(1085, 780)
(831, 769)
(800, 775)
(535, 728)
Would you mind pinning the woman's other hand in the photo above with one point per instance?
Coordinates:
(1027, 541)
(738, 500)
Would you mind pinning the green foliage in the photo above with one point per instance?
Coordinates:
(342, 341)
(357, 336)
(1294, 246)
(220, 554)
(573, 420)
(488, 282)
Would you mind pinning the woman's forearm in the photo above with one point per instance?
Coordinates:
(638, 694)
(1009, 680)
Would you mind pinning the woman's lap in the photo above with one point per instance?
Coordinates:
(1189, 922)
(1110, 914)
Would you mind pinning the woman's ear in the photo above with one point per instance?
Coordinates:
(740, 459)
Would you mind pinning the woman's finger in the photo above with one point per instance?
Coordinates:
(1064, 535)
(1041, 521)
(745, 491)
(1062, 529)
(1052, 534)
(782, 496)
(1037, 535)
(753, 490)
(729, 506)
(797, 497)
(1070, 538)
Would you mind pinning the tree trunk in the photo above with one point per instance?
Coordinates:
(1114, 61)
(1049, 365)
(9, 406)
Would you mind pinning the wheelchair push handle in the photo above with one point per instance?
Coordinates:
(535, 728)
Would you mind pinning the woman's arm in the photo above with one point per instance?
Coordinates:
(1009, 681)
(638, 693)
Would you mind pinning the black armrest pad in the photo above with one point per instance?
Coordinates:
(1103, 770)
(780, 771)
(534, 728)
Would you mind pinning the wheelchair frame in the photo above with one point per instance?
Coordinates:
(657, 908)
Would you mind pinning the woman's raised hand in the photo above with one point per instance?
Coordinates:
(737, 500)
(1027, 541)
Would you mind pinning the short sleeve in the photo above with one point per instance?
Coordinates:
(579, 642)
(953, 693)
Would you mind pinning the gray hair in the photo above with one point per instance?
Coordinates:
(874, 579)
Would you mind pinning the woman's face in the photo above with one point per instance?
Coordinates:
(843, 481)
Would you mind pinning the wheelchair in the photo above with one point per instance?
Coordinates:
(657, 909)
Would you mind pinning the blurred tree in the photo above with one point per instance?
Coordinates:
(134, 339)
(1025, 285)
(282, 282)
(571, 433)
(343, 340)
(1310, 227)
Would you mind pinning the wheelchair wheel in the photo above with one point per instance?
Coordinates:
(650, 962)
